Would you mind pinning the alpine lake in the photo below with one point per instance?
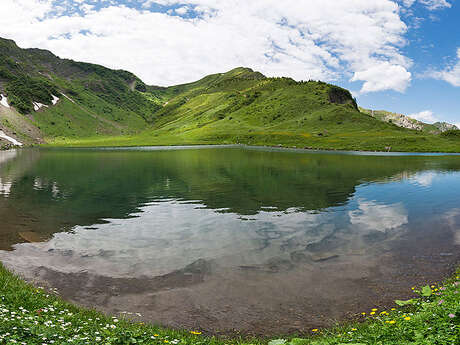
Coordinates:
(229, 240)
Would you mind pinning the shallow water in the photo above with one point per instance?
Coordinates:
(233, 239)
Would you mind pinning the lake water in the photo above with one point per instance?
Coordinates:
(229, 239)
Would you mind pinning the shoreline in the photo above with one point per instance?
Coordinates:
(247, 146)
(392, 326)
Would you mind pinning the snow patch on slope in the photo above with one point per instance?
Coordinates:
(55, 99)
(70, 99)
(10, 139)
(38, 106)
(4, 101)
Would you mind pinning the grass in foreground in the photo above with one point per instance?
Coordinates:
(30, 315)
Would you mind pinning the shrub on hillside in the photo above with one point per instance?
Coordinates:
(453, 133)
(24, 90)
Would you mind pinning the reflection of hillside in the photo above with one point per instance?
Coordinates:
(64, 188)
(14, 164)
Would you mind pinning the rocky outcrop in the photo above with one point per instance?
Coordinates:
(444, 126)
(405, 121)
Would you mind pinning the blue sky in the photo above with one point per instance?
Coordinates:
(397, 55)
(432, 45)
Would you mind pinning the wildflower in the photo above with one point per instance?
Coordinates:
(354, 329)
(451, 316)
(375, 309)
(407, 318)
(372, 312)
(440, 302)
(315, 330)
(393, 308)
(195, 332)
(363, 313)
(392, 322)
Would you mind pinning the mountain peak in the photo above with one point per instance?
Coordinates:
(244, 73)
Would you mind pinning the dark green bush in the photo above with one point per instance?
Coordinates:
(24, 90)
(453, 134)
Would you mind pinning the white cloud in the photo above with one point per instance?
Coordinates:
(435, 4)
(426, 116)
(383, 76)
(429, 4)
(450, 74)
(182, 10)
(352, 39)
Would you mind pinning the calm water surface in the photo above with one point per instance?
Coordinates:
(229, 239)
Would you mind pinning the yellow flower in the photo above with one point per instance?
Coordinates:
(392, 322)
(354, 329)
(363, 313)
(166, 341)
(372, 312)
(195, 332)
(432, 286)
(155, 335)
(375, 309)
(315, 330)
(407, 318)
(393, 308)
(413, 287)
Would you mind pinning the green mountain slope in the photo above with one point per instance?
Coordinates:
(92, 99)
(63, 102)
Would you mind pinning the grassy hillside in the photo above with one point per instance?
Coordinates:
(98, 106)
(243, 106)
(93, 100)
